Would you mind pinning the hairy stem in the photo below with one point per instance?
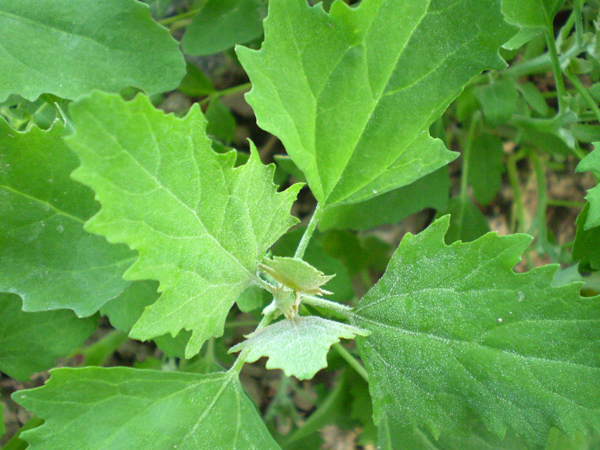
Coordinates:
(352, 361)
(310, 229)
(327, 304)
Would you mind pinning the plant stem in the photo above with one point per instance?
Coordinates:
(327, 304)
(560, 83)
(584, 94)
(225, 92)
(352, 361)
(464, 176)
(310, 229)
(577, 5)
(241, 323)
(186, 15)
(565, 203)
(517, 219)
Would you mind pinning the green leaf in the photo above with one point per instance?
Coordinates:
(296, 274)
(586, 247)
(195, 82)
(431, 191)
(46, 256)
(531, 13)
(123, 408)
(458, 336)
(68, 48)
(221, 123)
(467, 223)
(591, 163)
(352, 94)
(31, 342)
(200, 225)
(486, 167)
(298, 346)
(219, 25)
(534, 98)
(498, 101)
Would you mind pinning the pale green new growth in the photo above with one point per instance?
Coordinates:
(296, 274)
(298, 346)
(124, 409)
(200, 225)
(352, 94)
(46, 257)
(458, 336)
(591, 163)
(68, 48)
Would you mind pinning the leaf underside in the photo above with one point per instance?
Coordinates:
(46, 256)
(299, 346)
(121, 408)
(458, 336)
(403, 62)
(200, 225)
(68, 48)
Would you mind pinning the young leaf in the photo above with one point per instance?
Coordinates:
(298, 346)
(123, 408)
(46, 256)
(352, 93)
(200, 225)
(592, 163)
(296, 274)
(586, 247)
(498, 100)
(67, 48)
(531, 13)
(220, 25)
(458, 336)
(31, 342)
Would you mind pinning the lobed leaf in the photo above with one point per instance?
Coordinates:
(296, 274)
(458, 336)
(200, 225)
(67, 48)
(31, 342)
(352, 93)
(298, 346)
(123, 408)
(531, 13)
(46, 256)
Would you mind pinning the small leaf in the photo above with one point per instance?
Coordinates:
(586, 247)
(67, 48)
(352, 93)
(200, 225)
(591, 163)
(299, 346)
(46, 256)
(486, 167)
(498, 101)
(123, 408)
(458, 336)
(467, 223)
(31, 342)
(296, 274)
(219, 25)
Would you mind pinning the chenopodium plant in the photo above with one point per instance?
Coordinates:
(458, 348)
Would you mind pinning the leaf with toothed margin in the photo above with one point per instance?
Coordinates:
(121, 408)
(403, 62)
(458, 336)
(46, 257)
(298, 346)
(200, 225)
(591, 163)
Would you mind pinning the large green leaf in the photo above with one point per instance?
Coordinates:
(591, 163)
(68, 48)
(31, 342)
(351, 94)
(122, 408)
(219, 25)
(531, 13)
(458, 336)
(46, 256)
(200, 225)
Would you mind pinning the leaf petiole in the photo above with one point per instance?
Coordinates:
(310, 229)
(327, 304)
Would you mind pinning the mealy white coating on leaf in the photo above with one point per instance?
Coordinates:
(299, 346)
